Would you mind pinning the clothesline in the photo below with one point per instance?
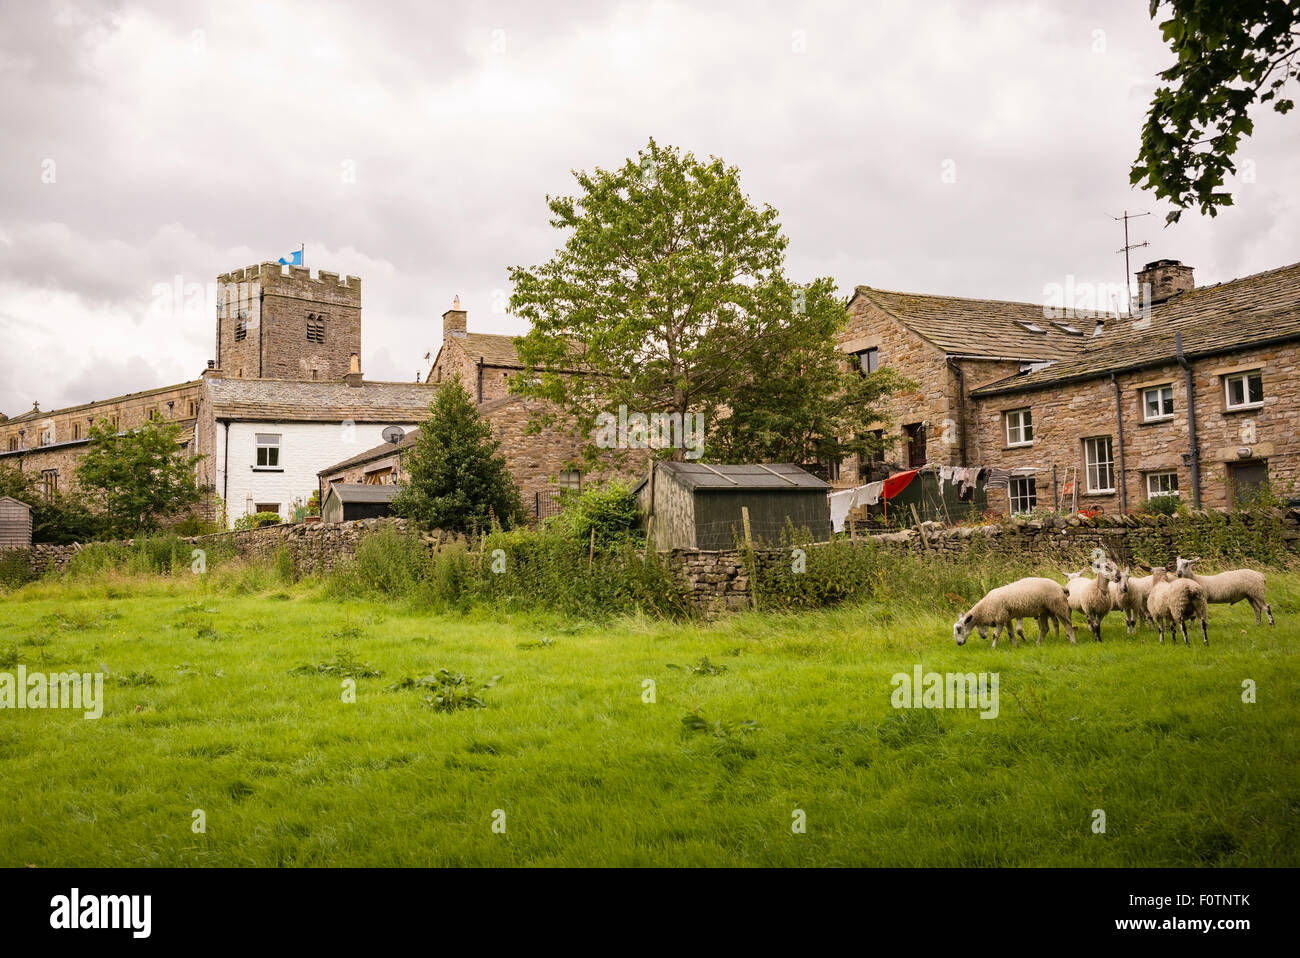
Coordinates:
(965, 477)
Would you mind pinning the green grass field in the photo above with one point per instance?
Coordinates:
(203, 712)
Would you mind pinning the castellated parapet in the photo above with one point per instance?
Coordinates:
(280, 322)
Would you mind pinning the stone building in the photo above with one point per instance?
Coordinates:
(1195, 395)
(542, 463)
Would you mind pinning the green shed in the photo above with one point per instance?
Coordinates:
(690, 505)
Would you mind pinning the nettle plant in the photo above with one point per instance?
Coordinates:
(449, 691)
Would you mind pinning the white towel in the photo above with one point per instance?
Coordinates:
(841, 503)
(868, 495)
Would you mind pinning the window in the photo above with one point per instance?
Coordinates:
(241, 329)
(570, 479)
(1157, 403)
(76, 430)
(1068, 329)
(191, 409)
(49, 482)
(915, 436)
(868, 359)
(268, 507)
(13, 443)
(115, 421)
(315, 328)
(1162, 484)
(1243, 390)
(1100, 461)
(1024, 494)
(1030, 327)
(1020, 427)
(268, 450)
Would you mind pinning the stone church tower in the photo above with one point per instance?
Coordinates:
(275, 322)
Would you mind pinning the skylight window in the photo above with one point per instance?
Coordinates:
(1068, 329)
(1031, 327)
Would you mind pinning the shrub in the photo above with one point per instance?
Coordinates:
(1167, 505)
(609, 509)
(257, 520)
(15, 568)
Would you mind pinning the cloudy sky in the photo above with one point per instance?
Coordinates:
(965, 148)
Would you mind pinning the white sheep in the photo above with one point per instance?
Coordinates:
(1177, 600)
(1032, 598)
(1092, 597)
(1129, 595)
(1230, 587)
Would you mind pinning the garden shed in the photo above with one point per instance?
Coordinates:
(15, 523)
(347, 501)
(690, 505)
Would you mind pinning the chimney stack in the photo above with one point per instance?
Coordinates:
(353, 378)
(1166, 279)
(455, 321)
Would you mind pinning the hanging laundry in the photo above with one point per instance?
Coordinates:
(841, 503)
(896, 484)
(998, 478)
(868, 495)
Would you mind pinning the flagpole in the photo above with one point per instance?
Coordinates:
(302, 253)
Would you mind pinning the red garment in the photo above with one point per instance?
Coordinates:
(896, 484)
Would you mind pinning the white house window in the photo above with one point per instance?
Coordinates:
(868, 359)
(570, 479)
(1024, 494)
(268, 450)
(1162, 484)
(1020, 427)
(1243, 390)
(1100, 460)
(1157, 403)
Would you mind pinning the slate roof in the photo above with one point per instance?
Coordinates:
(494, 349)
(984, 327)
(376, 452)
(362, 492)
(277, 400)
(695, 475)
(1224, 318)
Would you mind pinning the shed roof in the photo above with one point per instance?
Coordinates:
(18, 501)
(362, 492)
(745, 478)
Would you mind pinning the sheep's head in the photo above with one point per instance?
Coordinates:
(1122, 581)
(1183, 567)
(1108, 570)
(961, 628)
(1074, 575)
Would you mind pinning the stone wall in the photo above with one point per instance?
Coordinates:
(717, 582)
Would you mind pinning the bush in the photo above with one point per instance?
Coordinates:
(609, 509)
(257, 520)
(1168, 505)
(15, 568)
(195, 526)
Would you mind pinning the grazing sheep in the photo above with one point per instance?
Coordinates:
(1177, 600)
(1230, 587)
(1129, 595)
(1033, 598)
(1092, 597)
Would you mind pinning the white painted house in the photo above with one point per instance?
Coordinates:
(273, 437)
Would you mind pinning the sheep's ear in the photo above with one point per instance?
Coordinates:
(965, 619)
(1193, 559)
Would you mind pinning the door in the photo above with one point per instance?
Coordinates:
(1247, 482)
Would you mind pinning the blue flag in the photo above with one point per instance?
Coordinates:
(295, 259)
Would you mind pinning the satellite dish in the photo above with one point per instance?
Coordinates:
(393, 434)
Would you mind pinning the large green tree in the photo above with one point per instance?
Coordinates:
(670, 295)
(1232, 55)
(457, 482)
(137, 478)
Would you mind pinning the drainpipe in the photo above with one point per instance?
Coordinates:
(261, 303)
(480, 380)
(225, 475)
(1191, 421)
(1119, 423)
(961, 406)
